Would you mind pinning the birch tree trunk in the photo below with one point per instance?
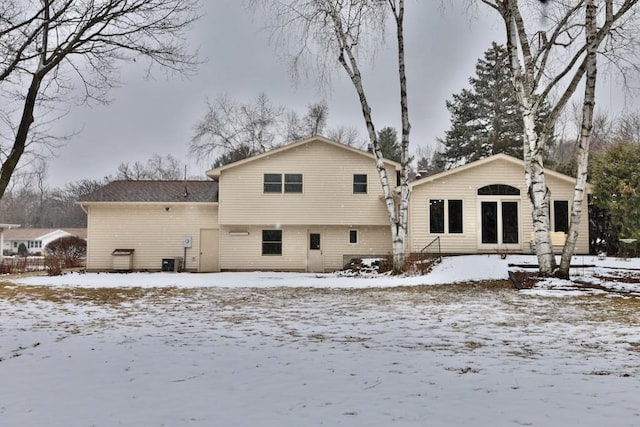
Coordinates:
(588, 107)
(337, 29)
(534, 142)
(553, 61)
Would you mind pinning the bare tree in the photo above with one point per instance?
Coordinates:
(232, 130)
(548, 65)
(341, 30)
(347, 135)
(313, 123)
(157, 168)
(627, 128)
(231, 126)
(49, 47)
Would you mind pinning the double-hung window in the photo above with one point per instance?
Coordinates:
(271, 242)
(293, 183)
(272, 183)
(359, 183)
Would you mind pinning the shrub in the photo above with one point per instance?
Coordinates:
(53, 265)
(22, 250)
(68, 250)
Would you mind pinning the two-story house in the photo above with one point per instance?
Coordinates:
(311, 206)
(307, 206)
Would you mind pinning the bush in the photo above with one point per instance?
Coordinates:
(22, 250)
(53, 265)
(69, 251)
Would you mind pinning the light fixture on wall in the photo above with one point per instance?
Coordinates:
(167, 209)
(238, 233)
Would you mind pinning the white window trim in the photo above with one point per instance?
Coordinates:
(357, 236)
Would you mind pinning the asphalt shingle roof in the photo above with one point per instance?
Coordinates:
(155, 191)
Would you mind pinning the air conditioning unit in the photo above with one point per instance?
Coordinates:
(173, 264)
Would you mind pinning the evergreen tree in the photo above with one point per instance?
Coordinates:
(389, 144)
(617, 190)
(485, 119)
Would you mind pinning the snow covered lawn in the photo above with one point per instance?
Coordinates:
(275, 349)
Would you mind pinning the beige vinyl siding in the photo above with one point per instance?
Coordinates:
(372, 241)
(562, 191)
(244, 252)
(327, 196)
(150, 229)
(463, 185)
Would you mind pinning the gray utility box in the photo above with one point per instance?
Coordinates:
(172, 264)
(122, 259)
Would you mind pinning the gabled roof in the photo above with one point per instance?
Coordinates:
(40, 233)
(489, 160)
(155, 191)
(216, 172)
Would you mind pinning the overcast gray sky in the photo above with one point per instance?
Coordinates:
(150, 117)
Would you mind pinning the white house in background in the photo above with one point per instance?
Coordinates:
(36, 239)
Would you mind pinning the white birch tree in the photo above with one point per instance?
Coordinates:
(548, 65)
(337, 32)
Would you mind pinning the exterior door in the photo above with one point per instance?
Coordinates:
(499, 223)
(315, 261)
(209, 250)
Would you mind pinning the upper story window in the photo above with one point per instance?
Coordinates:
(272, 183)
(359, 183)
(292, 183)
(353, 236)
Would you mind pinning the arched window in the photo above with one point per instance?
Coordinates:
(498, 190)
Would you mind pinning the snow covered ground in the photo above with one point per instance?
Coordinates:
(278, 349)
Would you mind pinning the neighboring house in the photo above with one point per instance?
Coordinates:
(484, 207)
(36, 239)
(311, 206)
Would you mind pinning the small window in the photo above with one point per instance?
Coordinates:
(314, 241)
(498, 190)
(271, 242)
(272, 183)
(561, 215)
(359, 184)
(293, 183)
(436, 216)
(455, 216)
(353, 236)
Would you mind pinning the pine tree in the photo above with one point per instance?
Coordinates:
(617, 189)
(389, 144)
(485, 119)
